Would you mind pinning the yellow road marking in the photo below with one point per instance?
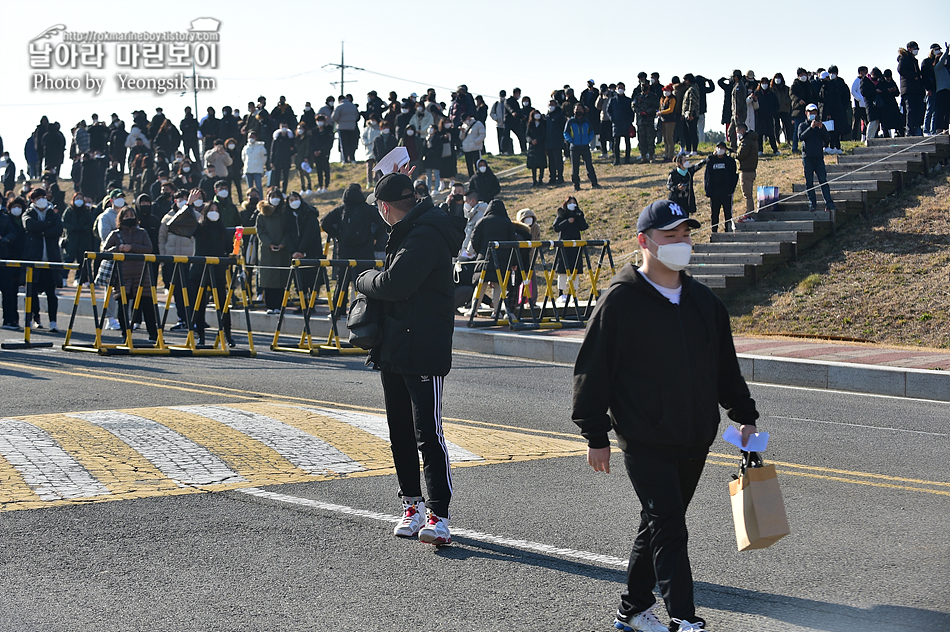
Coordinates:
(111, 461)
(256, 397)
(371, 452)
(251, 459)
(13, 489)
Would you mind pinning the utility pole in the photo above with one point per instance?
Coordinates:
(343, 67)
(194, 84)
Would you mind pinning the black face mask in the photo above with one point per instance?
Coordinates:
(145, 209)
(252, 201)
(129, 222)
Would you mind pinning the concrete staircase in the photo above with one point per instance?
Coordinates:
(733, 261)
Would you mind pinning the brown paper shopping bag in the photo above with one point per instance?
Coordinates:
(757, 508)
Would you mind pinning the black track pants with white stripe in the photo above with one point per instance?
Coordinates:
(414, 414)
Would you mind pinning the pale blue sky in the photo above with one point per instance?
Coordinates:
(490, 44)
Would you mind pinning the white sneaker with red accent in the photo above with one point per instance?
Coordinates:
(435, 531)
(413, 517)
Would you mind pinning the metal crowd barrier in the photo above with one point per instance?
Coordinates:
(525, 313)
(307, 297)
(236, 289)
(28, 308)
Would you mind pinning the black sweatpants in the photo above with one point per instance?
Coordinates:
(414, 415)
(44, 282)
(556, 165)
(579, 153)
(9, 287)
(724, 202)
(665, 484)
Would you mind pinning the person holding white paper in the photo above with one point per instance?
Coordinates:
(656, 363)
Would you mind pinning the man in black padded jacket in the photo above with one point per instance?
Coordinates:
(417, 292)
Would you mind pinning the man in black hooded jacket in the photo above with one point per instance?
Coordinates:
(417, 294)
(656, 363)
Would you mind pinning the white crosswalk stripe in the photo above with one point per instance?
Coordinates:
(376, 426)
(50, 472)
(178, 458)
(309, 453)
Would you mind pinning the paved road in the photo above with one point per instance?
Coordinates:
(228, 511)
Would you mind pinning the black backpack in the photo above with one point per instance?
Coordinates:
(356, 227)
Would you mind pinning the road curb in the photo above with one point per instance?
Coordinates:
(839, 376)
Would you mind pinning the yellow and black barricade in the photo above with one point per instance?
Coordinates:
(236, 289)
(309, 294)
(525, 312)
(28, 307)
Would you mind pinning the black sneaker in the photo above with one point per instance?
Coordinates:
(180, 326)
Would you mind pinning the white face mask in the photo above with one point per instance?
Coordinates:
(41, 203)
(832, 76)
(686, 164)
(294, 204)
(409, 132)
(384, 131)
(223, 193)
(213, 216)
(778, 82)
(320, 124)
(198, 203)
(914, 52)
(620, 90)
(118, 202)
(16, 211)
(537, 117)
(185, 169)
(673, 256)
(803, 78)
(231, 145)
(482, 169)
(525, 103)
(765, 86)
(551, 108)
(275, 201)
(182, 203)
(572, 207)
(812, 117)
(79, 202)
(467, 207)
(666, 93)
(404, 110)
(528, 221)
(720, 151)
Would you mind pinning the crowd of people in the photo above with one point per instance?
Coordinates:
(210, 165)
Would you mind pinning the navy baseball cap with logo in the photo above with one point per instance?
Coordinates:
(392, 187)
(664, 215)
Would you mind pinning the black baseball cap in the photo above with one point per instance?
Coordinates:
(392, 187)
(664, 215)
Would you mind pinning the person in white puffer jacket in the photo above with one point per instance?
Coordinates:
(254, 156)
(473, 134)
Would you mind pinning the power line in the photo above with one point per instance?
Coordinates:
(343, 67)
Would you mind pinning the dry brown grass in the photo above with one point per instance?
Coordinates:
(883, 279)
